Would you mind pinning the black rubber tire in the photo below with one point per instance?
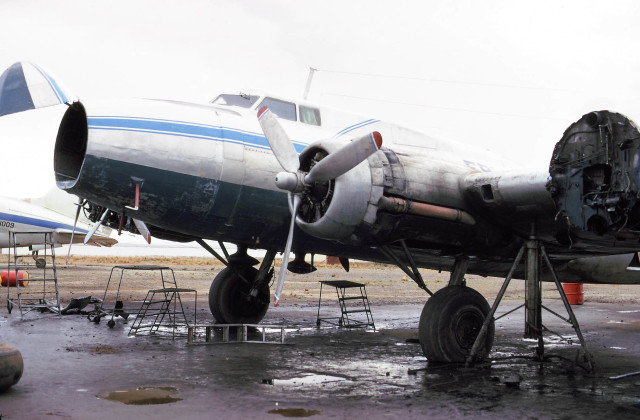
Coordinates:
(11, 366)
(229, 301)
(111, 323)
(450, 322)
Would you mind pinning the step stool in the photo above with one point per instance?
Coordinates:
(360, 299)
(163, 311)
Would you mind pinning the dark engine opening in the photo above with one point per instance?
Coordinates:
(71, 144)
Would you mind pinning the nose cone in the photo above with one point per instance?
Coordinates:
(287, 181)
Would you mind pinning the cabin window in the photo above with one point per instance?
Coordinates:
(242, 100)
(282, 109)
(310, 115)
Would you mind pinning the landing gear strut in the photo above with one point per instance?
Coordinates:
(452, 317)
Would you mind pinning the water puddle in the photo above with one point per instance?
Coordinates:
(144, 396)
(294, 412)
(311, 379)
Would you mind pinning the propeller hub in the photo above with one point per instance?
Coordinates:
(290, 181)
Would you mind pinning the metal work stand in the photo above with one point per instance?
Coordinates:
(344, 320)
(168, 285)
(165, 312)
(533, 303)
(42, 295)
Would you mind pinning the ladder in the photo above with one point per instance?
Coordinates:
(39, 290)
(164, 313)
(359, 305)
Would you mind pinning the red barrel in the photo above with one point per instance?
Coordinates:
(10, 277)
(574, 292)
(333, 260)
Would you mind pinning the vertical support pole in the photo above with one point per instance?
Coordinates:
(533, 299)
(319, 302)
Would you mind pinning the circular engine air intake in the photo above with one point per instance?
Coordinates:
(333, 209)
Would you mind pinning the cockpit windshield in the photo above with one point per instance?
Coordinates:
(242, 100)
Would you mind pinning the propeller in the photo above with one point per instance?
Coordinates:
(95, 226)
(143, 229)
(296, 181)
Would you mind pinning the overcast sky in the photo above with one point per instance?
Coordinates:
(507, 75)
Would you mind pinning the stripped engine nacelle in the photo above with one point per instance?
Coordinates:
(595, 172)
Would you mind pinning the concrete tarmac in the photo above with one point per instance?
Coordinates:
(76, 369)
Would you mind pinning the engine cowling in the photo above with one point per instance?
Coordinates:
(335, 209)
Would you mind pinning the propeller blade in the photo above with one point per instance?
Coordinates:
(278, 140)
(344, 159)
(143, 229)
(287, 250)
(75, 222)
(95, 227)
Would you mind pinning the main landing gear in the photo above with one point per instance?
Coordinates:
(450, 322)
(452, 317)
(239, 294)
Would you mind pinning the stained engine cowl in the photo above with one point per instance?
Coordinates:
(335, 209)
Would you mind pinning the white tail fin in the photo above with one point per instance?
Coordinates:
(25, 86)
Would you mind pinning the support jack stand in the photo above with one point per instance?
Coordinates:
(533, 305)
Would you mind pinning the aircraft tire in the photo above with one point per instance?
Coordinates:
(229, 299)
(450, 322)
(11, 366)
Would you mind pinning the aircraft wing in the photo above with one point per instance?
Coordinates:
(64, 238)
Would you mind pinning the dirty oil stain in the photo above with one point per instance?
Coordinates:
(294, 412)
(144, 396)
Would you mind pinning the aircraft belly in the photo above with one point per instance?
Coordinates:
(192, 205)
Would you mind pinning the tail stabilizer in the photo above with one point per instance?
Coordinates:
(25, 86)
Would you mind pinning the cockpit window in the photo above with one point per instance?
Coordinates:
(241, 100)
(282, 109)
(310, 115)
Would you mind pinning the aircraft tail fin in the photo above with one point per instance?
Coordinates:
(25, 86)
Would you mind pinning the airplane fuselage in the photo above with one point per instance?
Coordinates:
(209, 173)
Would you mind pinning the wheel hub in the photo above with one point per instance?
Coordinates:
(467, 327)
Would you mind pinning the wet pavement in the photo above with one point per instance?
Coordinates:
(78, 369)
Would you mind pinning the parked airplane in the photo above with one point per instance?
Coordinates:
(192, 172)
(30, 220)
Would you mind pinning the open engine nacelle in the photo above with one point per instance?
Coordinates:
(335, 209)
(595, 172)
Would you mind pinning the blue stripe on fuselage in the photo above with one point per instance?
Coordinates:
(355, 126)
(183, 129)
(41, 223)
